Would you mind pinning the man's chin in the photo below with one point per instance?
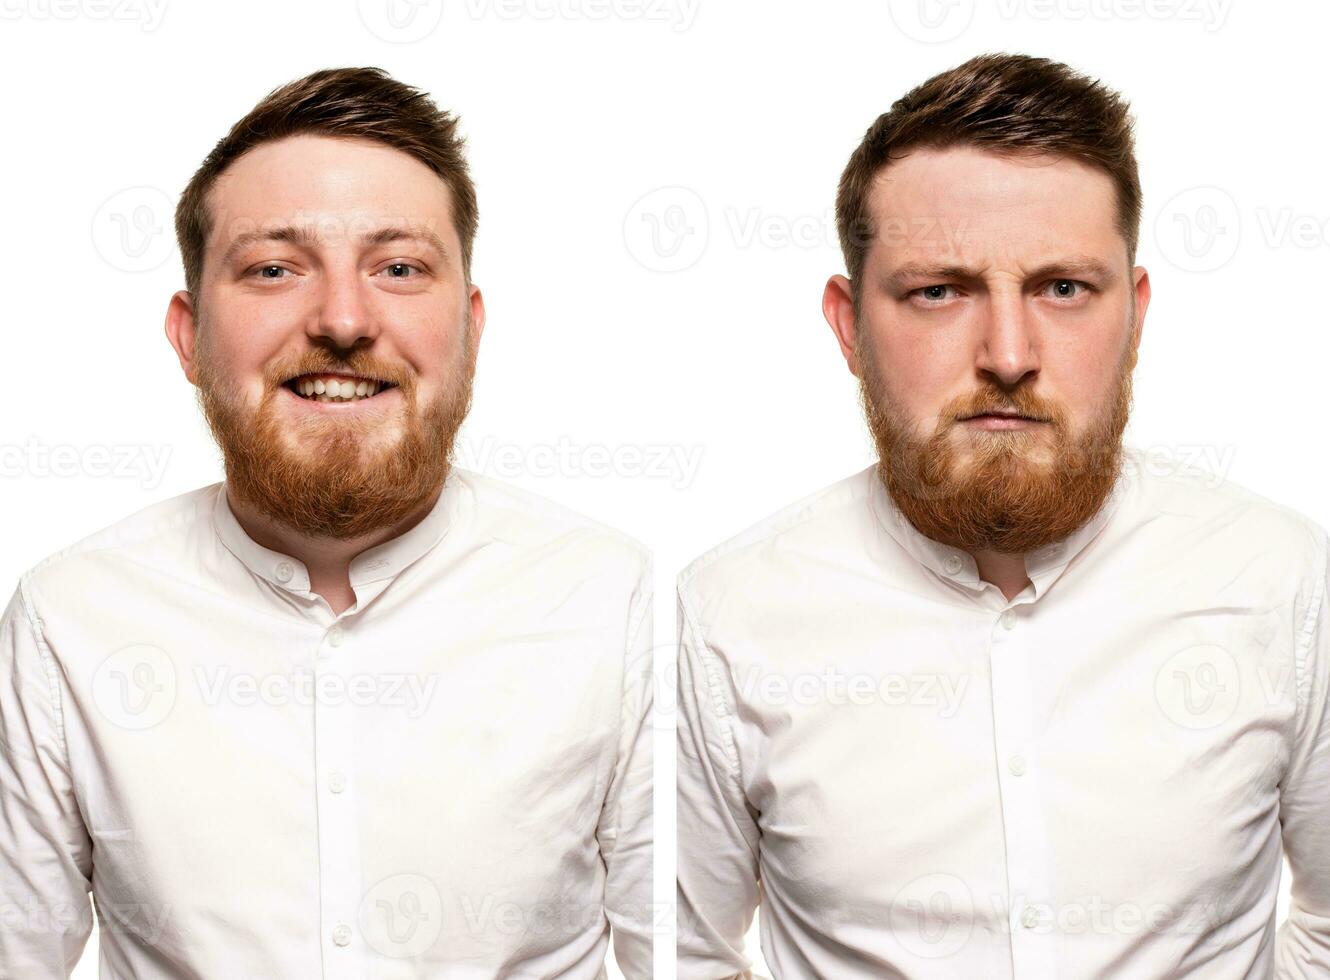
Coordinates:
(1010, 455)
(318, 450)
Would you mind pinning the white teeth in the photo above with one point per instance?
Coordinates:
(334, 390)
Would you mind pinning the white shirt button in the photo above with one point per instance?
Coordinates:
(336, 781)
(1017, 765)
(342, 934)
(335, 636)
(1008, 619)
(1030, 917)
(953, 564)
(284, 571)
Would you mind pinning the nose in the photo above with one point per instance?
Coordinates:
(1007, 350)
(344, 318)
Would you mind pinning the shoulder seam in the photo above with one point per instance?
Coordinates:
(742, 539)
(1302, 666)
(48, 665)
(578, 519)
(720, 706)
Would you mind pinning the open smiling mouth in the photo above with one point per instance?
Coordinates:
(336, 388)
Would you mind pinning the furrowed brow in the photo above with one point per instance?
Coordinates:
(1073, 266)
(1070, 267)
(919, 272)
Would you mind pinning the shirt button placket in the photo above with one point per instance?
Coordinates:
(1028, 869)
(339, 837)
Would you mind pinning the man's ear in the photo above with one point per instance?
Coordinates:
(477, 326)
(180, 331)
(838, 308)
(1142, 287)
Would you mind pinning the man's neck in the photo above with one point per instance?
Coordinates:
(1007, 572)
(328, 560)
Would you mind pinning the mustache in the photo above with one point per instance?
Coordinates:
(364, 367)
(1024, 408)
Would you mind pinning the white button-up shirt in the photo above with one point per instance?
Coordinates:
(451, 779)
(915, 777)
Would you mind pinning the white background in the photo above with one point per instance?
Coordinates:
(723, 127)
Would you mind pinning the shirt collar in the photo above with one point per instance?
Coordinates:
(957, 566)
(383, 561)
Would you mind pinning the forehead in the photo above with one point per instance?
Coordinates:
(342, 187)
(967, 204)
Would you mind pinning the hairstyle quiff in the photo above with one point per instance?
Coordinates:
(338, 102)
(1006, 103)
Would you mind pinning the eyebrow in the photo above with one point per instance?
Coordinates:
(306, 238)
(1075, 265)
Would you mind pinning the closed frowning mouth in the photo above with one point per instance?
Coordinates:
(334, 387)
(1003, 415)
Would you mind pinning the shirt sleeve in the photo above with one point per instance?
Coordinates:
(718, 837)
(45, 851)
(1303, 948)
(625, 831)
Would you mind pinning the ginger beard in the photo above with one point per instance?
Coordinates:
(1010, 491)
(325, 475)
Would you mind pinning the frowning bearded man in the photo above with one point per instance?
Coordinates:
(353, 711)
(1013, 702)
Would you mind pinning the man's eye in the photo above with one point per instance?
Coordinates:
(262, 271)
(934, 294)
(1067, 288)
(401, 267)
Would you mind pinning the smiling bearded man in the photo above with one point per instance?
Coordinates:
(306, 720)
(335, 475)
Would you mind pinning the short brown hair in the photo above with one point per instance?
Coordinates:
(1006, 103)
(338, 102)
